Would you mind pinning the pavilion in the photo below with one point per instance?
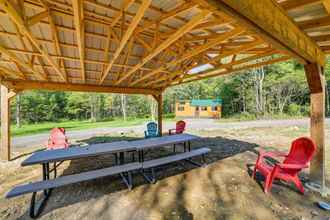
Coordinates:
(145, 46)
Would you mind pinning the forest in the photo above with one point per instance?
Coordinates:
(275, 90)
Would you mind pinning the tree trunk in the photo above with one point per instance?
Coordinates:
(93, 107)
(123, 106)
(18, 110)
(259, 76)
(152, 108)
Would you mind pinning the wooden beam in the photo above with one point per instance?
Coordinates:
(221, 71)
(320, 38)
(139, 15)
(314, 23)
(191, 53)
(179, 33)
(294, 4)
(318, 166)
(54, 33)
(9, 72)
(268, 19)
(214, 60)
(5, 124)
(14, 58)
(36, 85)
(218, 68)
(78, 17)
(119, 14)
(314, 79)
(326, 4)
(19, 21)
(175, 12)
(37, 18)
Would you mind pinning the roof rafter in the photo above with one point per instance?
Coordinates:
(54, 33)
(119, 14)
(171, 39)
(17, 18)
(193, 52)
(137, 18)
(14, 58)
(277, 29)
(169, 78)
(293, 4)
(78, 17)
(37, 18)
(219, 71)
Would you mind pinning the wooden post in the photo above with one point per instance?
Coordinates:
(315, 79)
(5, 124)
(159, 100)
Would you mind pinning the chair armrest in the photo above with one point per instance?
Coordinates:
(263, 153)
(170, 131)
(292, 166)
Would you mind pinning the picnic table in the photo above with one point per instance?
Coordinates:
(117, 148)
(157, 142)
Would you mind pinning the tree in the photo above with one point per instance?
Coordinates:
(18, 110)
(123, 106)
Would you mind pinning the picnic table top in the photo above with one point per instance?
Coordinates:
(162, 141)
(70, 153)
(48, 156)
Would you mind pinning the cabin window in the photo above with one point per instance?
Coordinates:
(182, 103)
(214, 108)
(204, 108)
(181, 108)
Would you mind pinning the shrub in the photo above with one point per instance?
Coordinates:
(294, 109)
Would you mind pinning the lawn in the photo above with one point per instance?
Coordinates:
(72, 125)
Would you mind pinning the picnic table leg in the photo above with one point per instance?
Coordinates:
(150, 179)
(116, 158)
(202, 164)
(141, 156)
(127, 180)
(121, 157)
(36, 211)
(189, 145)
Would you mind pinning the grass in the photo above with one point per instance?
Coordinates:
(30, 129)
(253, 117)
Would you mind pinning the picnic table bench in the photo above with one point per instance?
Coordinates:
(124, 170)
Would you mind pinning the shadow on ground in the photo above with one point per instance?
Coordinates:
(78, 193)
(221, 190)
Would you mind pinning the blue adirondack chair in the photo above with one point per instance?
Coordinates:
(152, 130)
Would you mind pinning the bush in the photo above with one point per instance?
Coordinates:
(294, 110)
(244, 116)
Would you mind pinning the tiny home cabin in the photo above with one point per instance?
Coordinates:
(198, 108)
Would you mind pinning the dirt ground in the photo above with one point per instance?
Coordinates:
(221, 190)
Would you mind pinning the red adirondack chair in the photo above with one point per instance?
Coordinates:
(57, 139)
(301, 153)
(179, 128)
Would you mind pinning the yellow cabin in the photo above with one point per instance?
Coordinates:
(198, 108)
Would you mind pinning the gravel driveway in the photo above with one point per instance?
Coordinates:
(192, 124)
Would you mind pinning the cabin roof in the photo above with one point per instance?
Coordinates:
(206, 102)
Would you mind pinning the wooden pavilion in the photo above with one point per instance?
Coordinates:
(145, 46)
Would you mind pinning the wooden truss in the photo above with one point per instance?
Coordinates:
(142, 44)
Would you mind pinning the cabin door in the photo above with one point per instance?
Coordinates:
(197, 112)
